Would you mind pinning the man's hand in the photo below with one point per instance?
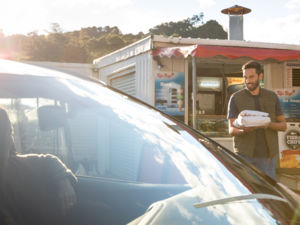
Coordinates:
(249, 129)
(66, 194)
(235, 131)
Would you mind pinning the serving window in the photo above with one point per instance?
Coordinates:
(215, 83)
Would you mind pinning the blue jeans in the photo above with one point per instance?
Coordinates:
(265, 165)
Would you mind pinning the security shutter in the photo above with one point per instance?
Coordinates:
(124, 80)
(125, 83)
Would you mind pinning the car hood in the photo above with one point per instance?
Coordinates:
(185, 208)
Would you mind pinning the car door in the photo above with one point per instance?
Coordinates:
(120, 174)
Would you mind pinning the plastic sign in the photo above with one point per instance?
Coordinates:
(210, 84)
(289, 146)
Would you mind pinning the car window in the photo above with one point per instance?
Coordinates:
(28, 136)
(102, 133)
(104, 145)
(94, 142)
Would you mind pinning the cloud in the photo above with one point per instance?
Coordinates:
(37, 15)
(105, 4)
(149, 20)
(204, 4)
(279, 30)
(293, 4)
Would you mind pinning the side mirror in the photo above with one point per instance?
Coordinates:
(51, 117)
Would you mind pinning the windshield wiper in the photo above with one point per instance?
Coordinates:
(238, 198)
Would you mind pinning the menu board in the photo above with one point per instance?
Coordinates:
(290, 102)
(169, 92)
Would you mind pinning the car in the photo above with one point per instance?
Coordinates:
(135, 164)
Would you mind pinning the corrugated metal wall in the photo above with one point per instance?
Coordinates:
(144, 77)
(143, 74)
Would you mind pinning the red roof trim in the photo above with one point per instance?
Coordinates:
(228, 52)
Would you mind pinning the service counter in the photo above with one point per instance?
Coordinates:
(215, 127)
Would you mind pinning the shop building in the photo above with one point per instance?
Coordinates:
(192, 79)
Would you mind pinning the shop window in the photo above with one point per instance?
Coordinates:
(296, 77)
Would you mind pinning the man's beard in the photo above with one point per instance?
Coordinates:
(255, 85)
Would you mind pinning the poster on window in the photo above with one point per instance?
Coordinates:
(169, 92)
(290, 102)
(289, 146)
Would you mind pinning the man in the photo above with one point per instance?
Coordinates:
(257, 145)
(34, 189)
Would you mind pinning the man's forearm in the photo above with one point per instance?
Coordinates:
(278, 126)
(234, 131)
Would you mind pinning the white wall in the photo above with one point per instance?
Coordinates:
(77, 69)
(274, 75)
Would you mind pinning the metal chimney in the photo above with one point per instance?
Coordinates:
(236, 27)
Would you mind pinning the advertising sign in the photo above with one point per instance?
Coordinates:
(289, 146)
(289, 141)
(234, 84)
(169, 92)
(290, 102)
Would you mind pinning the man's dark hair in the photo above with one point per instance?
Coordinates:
(253, 65)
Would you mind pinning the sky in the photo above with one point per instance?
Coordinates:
(275, 21)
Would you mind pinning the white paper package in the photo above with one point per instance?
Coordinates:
(252, 118)
(253, 113)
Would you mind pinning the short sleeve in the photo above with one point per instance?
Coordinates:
(232, 111)
(278, 107)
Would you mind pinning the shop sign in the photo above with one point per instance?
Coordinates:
(169, 92)
(292, 139)
(289, 146)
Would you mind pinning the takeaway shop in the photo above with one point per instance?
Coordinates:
(192, 79)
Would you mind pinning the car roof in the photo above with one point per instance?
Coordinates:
(18, 68)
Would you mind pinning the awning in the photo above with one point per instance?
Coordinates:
(207, 51)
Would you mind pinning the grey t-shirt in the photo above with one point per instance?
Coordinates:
(261, 148)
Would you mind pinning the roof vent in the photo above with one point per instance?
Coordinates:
(236, 27)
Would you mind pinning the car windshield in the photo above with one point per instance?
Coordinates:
(101, 133)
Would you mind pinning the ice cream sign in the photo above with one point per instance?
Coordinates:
(169, 92)
(165, 75)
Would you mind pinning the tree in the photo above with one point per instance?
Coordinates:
(56, 28)
(86, 44)
(196, 19)
(189, 28)
(211, 29)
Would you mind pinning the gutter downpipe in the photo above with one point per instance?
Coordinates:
(194, 80)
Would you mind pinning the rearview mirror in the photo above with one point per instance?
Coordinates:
(51, 117)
